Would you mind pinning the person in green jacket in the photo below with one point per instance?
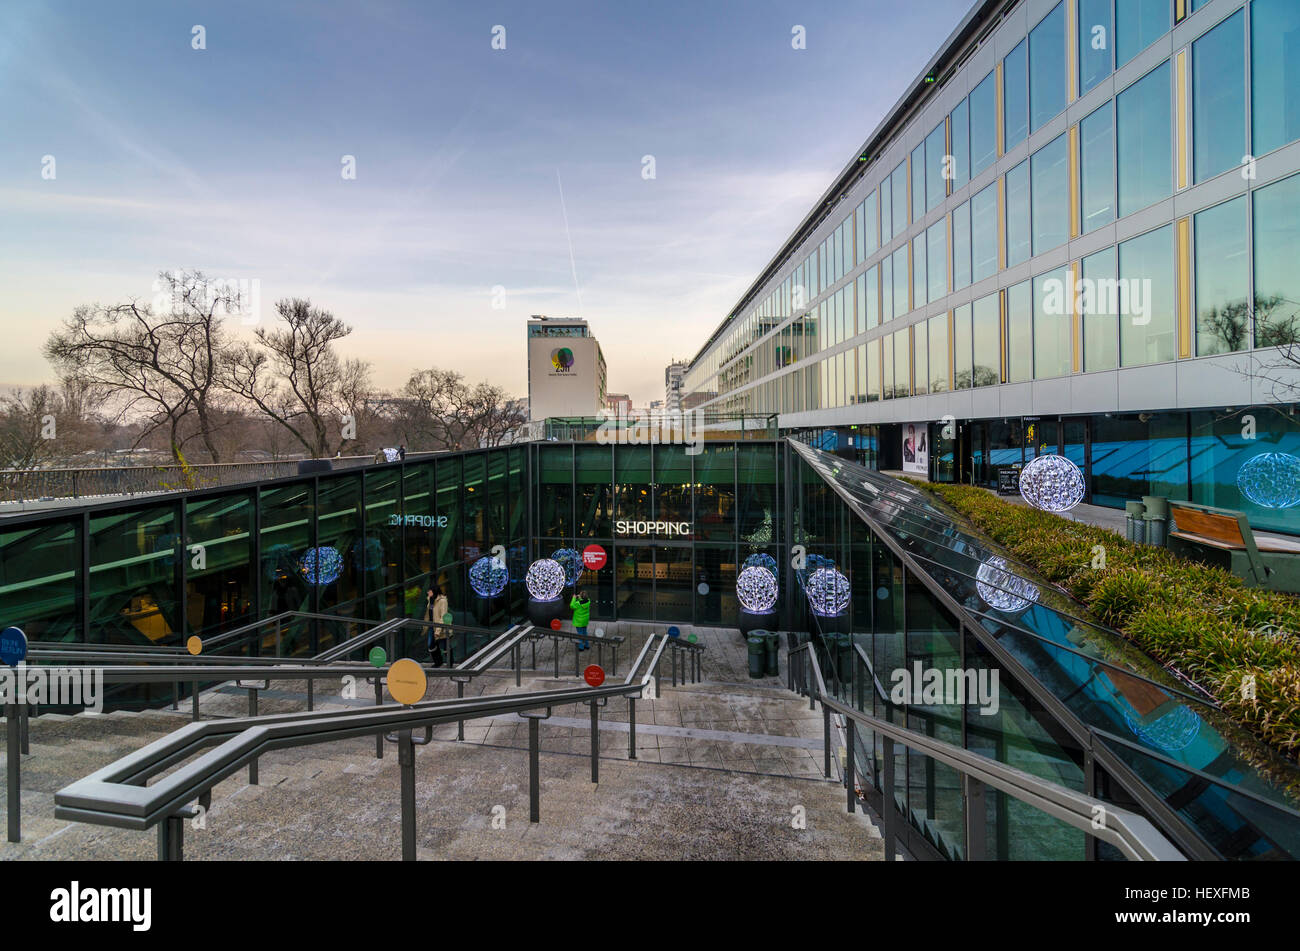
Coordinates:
(581, 608)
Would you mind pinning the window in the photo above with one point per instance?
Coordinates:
(873, 370)
(1146, 277)
(1145, 141)
(901, 305)
(1052, 324)
(867, 244)
(960, 145)
(918, 182)
(902, 363)
(961, 348)
(918, 271)
(987, 338)
(886, 211)
(1138, 24)
(1095, 34)
(1274, 73)
(936, 256)
(898, 183)
(1277, 248)
(936, 148)
(984, 232)
(921, 358)
(1020, 333)
(1047, 68)
(1049, 169)
(961, 246)
(938, 353)
(1018, 214)
(1097, 169)
(1099, 310)
(887, 288)
(1222, 278)
(1015, 97)
(887, 364)
(871, 290)
(1219, 98)
(983, 125)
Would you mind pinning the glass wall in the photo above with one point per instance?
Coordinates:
(1274, 74)
(1145, 140)
(1219, 98)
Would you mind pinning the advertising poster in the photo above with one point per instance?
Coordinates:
(916, 449)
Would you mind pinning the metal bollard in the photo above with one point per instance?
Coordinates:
(595, 743)
(631, 728)
(406, 761)
(849, 767)
(252, 712)
(13, 769)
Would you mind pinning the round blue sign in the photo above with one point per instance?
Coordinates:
(13, 646)
(674, 631)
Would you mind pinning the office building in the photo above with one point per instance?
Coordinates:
(566, 369)
(1074, 233)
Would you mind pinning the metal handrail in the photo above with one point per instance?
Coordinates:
(120, 794)
(1134, 835)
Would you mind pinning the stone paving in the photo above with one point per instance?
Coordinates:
(723, 768)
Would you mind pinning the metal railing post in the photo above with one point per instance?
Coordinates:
(976, 821)
(613, 659)
(406, 760)
(518, 663)
(311, 695)
(194, 702)
(555, 642)
(577, 658)
(595, 743)
(631, 728)
(252, 712)
(850, 768)
(887, 797)
(460, 695)
(13, 770)
(534, 768)
(826, 738)
(24, 724)
(379, 701)
(171, 839)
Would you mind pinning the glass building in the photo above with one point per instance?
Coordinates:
(1074, 234)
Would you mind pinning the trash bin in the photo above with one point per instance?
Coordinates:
(1134, 523)
(757, 655)
(773, 649)
(1157, 519)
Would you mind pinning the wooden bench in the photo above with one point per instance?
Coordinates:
(1224, 537)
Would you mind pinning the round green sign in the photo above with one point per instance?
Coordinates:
(378, 656)
(692, 638)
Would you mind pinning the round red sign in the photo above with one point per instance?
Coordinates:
(593, 557)
(555, 624)
(594, 676)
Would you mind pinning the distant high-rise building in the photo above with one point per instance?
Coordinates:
(674, 375)
(566, 369)
(620, 404)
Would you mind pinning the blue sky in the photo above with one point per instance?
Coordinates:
(228, 159)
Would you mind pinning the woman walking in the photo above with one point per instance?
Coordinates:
(436, 608)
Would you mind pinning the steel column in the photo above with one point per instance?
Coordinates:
(887, 798)
(977, 821)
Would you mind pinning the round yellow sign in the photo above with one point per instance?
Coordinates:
(194, 645)
(407, 681)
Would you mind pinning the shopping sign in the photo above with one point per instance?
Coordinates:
(594, 676)
(594, 558)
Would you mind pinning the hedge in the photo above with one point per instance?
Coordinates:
(1198, 619)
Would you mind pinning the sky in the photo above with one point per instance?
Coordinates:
(483, 176)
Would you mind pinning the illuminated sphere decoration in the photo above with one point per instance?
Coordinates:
(488, 577)
(571, 561)
(1172, 732)
(1002, 590)
(762, 560)
(321, 566)
(1271, 480)
(368, 554)
(545, 579)
(828, 592)
(1051, 483)
(756, 589)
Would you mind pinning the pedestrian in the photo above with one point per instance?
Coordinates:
(435, 610)
(581, 607)
(401, 453)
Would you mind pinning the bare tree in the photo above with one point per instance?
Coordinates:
(294, 376)
(159, 364)
(446, 413)
(1277, 335)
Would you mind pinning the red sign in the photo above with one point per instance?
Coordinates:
(594, 676)
(555, 624)
(593, 557)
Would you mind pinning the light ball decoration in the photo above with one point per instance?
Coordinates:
(488, 577)
(545, 579)
(762, 560)
(1271, 480)
(1052, 483)
(368, 554)
(1172, 732)
(756, 589)
(571, 561)
(321, 566)
(828, 592)
(1001, 589)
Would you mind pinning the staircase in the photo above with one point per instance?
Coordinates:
(725, 769)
